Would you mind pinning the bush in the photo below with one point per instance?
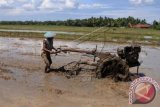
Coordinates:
(157, 27)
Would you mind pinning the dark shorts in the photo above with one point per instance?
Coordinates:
(46, 58)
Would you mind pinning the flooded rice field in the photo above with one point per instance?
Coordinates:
(23, 82)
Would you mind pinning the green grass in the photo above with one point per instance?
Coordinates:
(105, 34)
(83, 29)
(48, 27)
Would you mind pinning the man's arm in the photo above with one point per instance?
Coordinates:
(54, 48)
(46, 50)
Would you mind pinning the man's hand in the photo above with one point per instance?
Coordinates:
(55, 52)
(52, 52)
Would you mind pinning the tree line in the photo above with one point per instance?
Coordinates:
(88, 22)
(156, 25)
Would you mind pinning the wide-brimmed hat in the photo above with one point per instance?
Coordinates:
(49, 34)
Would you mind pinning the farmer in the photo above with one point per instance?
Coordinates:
(47, 49)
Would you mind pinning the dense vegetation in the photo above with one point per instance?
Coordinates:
(90, 22)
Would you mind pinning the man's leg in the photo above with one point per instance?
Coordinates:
(47, 62)
(47, 69)
(50, 61)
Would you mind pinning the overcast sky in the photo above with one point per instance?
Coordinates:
(71, 9)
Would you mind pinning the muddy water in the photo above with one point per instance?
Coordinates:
(23, 83)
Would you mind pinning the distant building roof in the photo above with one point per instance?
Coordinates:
(142, 26)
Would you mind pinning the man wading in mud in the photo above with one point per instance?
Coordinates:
(47, 50)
